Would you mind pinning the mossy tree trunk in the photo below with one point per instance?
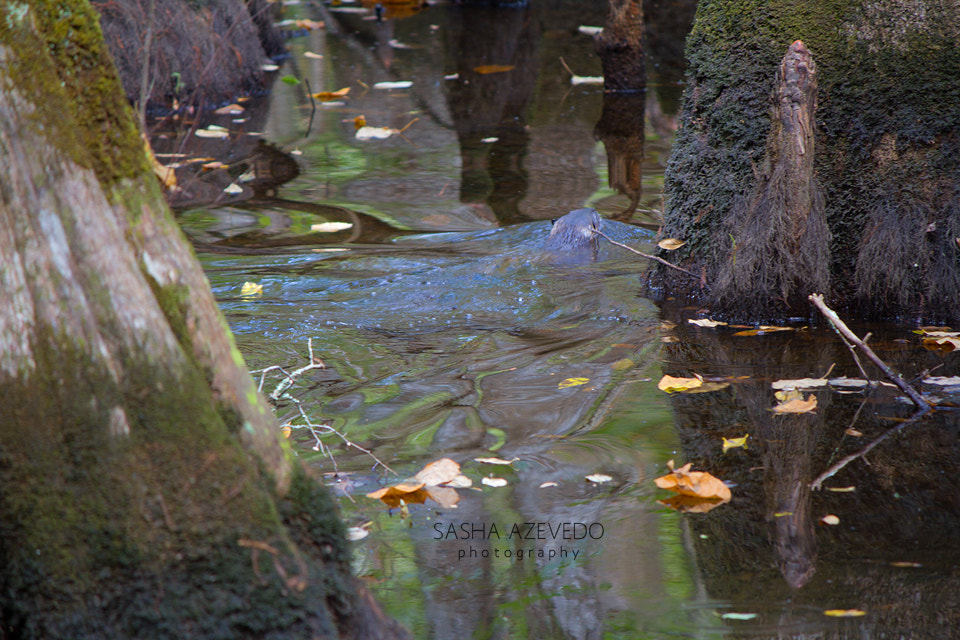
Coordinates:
(887, 150)
(144, 492)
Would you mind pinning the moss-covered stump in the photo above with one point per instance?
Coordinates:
(887, 151)
(199, 53)
(144, 490)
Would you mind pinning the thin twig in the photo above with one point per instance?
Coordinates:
(280, 393)
(843, 330)
(645, 255)
(313, 108)
(818, 481)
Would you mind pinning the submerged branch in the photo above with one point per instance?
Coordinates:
(818, 481)
(280, 393)
(844, 331)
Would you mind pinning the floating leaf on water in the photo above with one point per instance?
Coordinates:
(623, 364)
(494, 482)
(251, 289)
(459, 481)
(733, 443)
(495, 461)
(286, 430)
(797, 405)
(438, 472)
(489, 140)
(844, 613)
(739, 616)
(233, 188)
(395, 491)
(375, 133)
(801, 383)
(291, 80)
(400, 84)
(269, 67)
(586, 80)
(590, 31)
(359, 122)
(695, 484)
(678, 385)
(309, 25)
(906, 564)
(841, 489)
(939, 332)
(599, 478)
(229, 110)
(330, 227)
(485, 69)
(671, 244)
(311, 54)
(830, 519)
(572, 382)
(547, 484)
(356, 533)
(782, 514)
(946, 344)
(852, 432)
(328, 96)
(212, 131)
(706, 322)
(446, 497)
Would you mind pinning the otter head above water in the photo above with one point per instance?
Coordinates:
(573, 238)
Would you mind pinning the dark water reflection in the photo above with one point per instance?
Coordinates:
(447, 330)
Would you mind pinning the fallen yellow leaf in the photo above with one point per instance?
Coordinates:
(572, 382)
(797, 405)
(670, 244)
(328, 96)
(802, 383)
(844, 613)
(438, 472)
(446, 497)
(696, 484)
(229, 110)
(674, 385)
(733, 443)
(251, 289)
(393, 494)
(495, 461)
(706, 322)
(493, 68)
(309, 25)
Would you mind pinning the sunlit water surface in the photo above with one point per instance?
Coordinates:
(446, 330)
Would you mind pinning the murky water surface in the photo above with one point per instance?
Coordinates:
(447, 330)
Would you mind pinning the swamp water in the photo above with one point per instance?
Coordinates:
(447, 332)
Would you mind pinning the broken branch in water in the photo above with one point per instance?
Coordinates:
(843, 330)
(280, 393)
(645, 255)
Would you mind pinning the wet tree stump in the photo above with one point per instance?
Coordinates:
(620, 47)
(777, 240)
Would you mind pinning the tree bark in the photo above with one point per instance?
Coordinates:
(145, 490)
(886, 158)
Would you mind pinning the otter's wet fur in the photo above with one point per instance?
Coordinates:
(573, 238)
